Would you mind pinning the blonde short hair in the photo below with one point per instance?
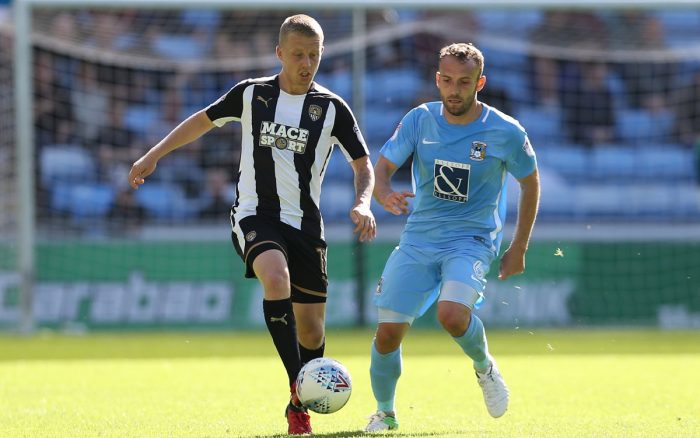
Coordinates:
(301, 24)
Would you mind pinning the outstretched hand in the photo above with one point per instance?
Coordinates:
(362, 216)
(143, 167)
(396, 202)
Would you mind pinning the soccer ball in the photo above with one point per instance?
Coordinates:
(324, 385)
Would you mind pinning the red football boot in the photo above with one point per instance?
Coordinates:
(298, 418)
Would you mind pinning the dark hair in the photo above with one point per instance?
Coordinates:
(464, 52)
(301, 24)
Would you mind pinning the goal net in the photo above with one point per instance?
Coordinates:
(609, 99)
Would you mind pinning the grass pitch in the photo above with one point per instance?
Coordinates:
(563, 384)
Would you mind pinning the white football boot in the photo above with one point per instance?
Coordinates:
(495, 390)
(380, 421)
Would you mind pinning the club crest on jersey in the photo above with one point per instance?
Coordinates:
(315, 112)
(478, 151)
(283, 137)
(451, 181)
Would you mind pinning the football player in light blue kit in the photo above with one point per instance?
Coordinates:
(462, 150)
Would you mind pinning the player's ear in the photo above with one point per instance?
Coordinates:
(278, 51)
(437, 79)
(480, 83)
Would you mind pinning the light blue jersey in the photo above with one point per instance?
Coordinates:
(459, 174)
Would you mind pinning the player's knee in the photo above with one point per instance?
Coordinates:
(455, 323)
(276, 284)
(387, 341)
(310, 336)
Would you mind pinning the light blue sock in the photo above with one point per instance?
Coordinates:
(473, 343)
(384, 372)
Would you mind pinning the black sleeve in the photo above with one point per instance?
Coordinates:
(229, 106)
(346, 131)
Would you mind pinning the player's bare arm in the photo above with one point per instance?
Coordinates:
(186, 132)
(393, 202)
(361, 214)
(513, 260)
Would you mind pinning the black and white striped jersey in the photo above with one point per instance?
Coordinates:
(286, 143)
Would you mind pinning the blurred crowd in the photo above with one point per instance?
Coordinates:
(581, 78)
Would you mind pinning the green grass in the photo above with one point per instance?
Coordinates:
(598, 383)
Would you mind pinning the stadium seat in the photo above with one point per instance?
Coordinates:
(140, 118)
(515, 22)
(380, 122)
(680, 21)
(636, 201)
(571, 161)
(514, 83)
(617, 88)
(557, 197)
(90, 200)
(340, 82)
(599, 201)
(613, 162)
(164, 201)
(669, 162)
(66, 163)
(206, 19)
(542, 124)
(649, 200)
(394, 86)
(641, 127)
(180, 47)
(339, 169)
(686, 201)
(60, 197)
(336, 200)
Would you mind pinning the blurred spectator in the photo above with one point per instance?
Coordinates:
(184, 168)
(90, 102)
(126, 215)
(113, 30)
(588, 104)
(496, 97)
(218, 196)
(114, 134)
(64, 27)
(226, 46)
(567, 31)
(688, 111)
(427, 44)
(649, 80)
(196, 90)
(52, 101)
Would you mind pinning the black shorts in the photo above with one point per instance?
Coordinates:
(306, 255)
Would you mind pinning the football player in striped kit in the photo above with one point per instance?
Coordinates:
(289, 126)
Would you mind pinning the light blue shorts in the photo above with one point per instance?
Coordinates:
(414, 277)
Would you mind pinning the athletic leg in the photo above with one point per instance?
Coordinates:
(460, 294)
(385, 370)
(271, 269)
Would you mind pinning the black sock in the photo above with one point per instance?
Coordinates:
(281, 324)
(307, 355)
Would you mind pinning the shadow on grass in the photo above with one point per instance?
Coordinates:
(393, 434)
